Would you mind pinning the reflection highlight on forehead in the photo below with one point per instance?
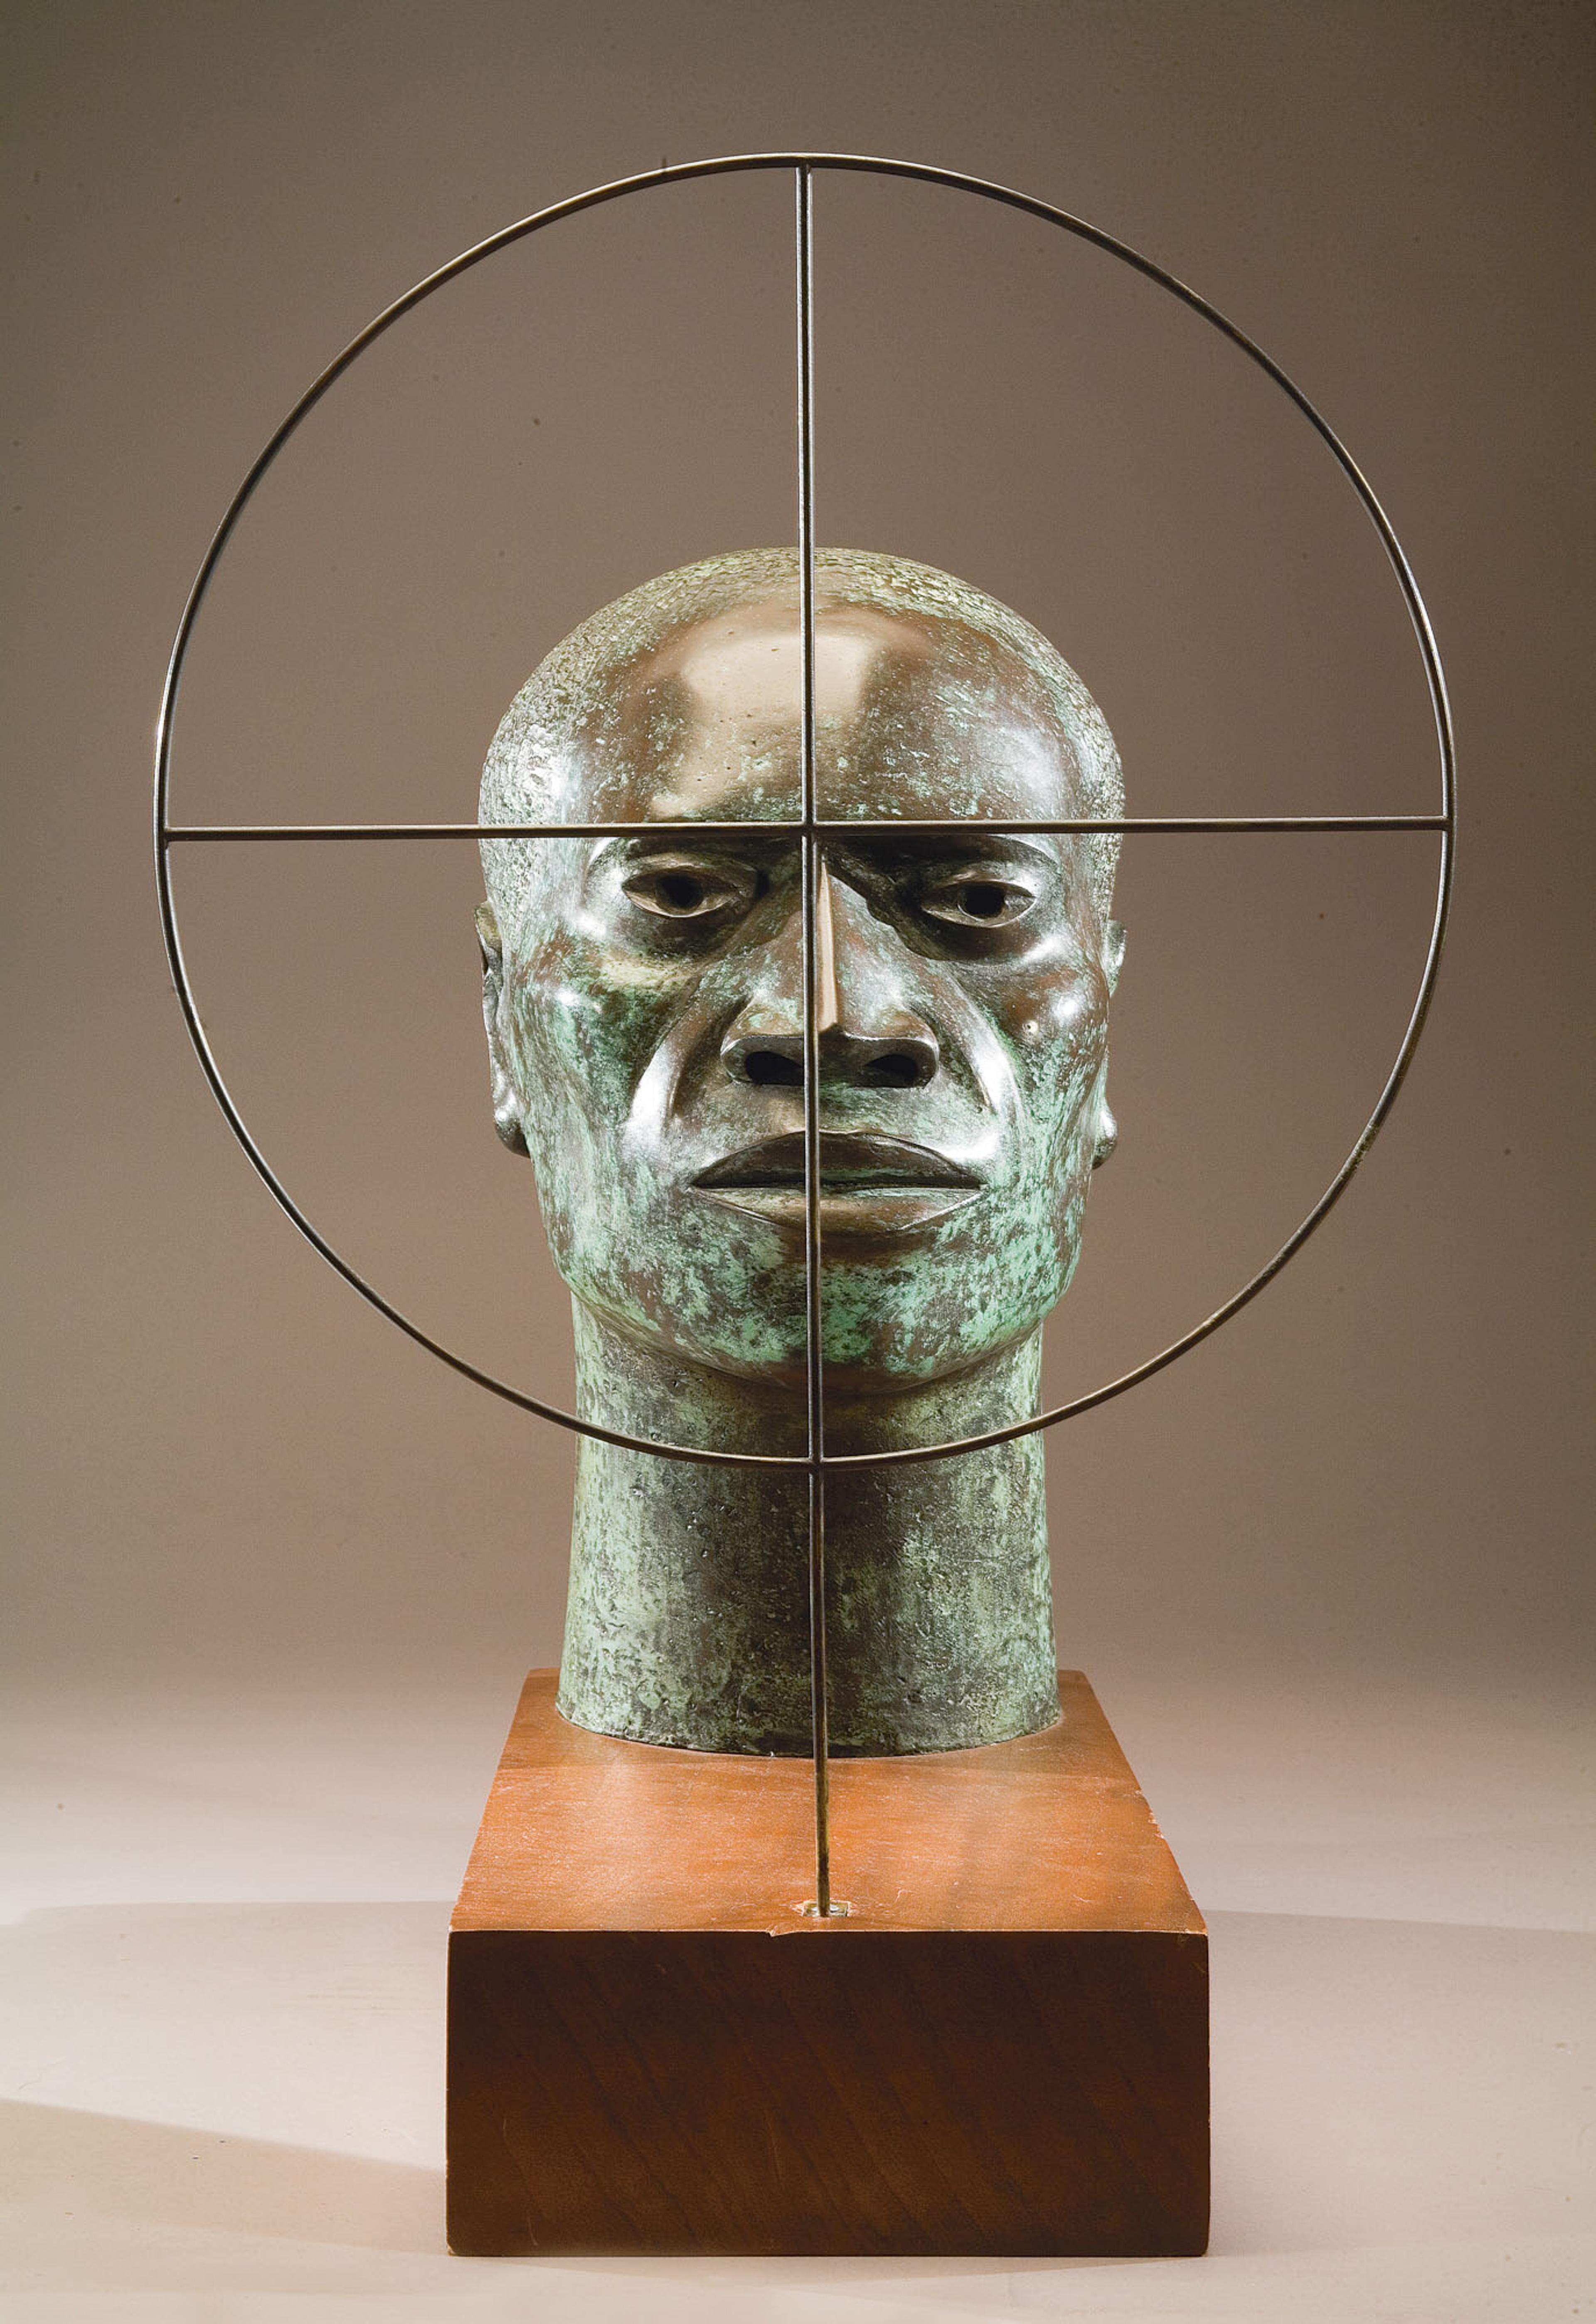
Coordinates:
(756, 676)
(902, 727)
(721, 708)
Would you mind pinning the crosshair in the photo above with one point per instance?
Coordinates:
(811, 830)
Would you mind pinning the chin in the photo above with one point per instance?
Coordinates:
(914, 1289)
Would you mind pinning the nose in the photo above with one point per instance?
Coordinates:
(866, 1037)
(903, 1058)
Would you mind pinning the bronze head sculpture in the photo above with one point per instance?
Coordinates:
(644, 1001)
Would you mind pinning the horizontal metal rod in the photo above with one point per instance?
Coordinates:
(851, 826)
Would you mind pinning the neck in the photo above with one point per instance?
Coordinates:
(688, 1617)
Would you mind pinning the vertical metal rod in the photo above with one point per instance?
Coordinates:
(812, 870)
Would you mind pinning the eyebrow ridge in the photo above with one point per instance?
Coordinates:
(922, 847)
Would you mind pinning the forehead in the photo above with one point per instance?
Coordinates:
(916, 714)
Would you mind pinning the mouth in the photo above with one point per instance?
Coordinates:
(868, 1186)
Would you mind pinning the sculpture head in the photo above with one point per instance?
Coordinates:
(644, 997)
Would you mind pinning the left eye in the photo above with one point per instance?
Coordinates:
(680, 892)
(980, 902)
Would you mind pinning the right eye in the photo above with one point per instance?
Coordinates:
(979, 900)
(686, 892)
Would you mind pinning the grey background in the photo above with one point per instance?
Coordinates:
(224, 1461)
(1330, 1574)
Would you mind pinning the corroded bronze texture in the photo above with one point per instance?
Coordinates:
(644, 1000)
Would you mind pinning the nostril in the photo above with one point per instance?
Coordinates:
(769, 1066)
(775, 1060)
(896, 1070)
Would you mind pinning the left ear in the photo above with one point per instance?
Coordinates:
(1107, 1135)
(1114, 960)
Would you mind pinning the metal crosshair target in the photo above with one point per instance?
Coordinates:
(811, 830)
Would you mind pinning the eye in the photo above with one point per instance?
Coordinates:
(977, 901)
(688, 891)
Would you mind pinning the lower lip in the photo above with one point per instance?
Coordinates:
(863, 1211)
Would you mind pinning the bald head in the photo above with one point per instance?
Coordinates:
(682, 701)
(645, 994)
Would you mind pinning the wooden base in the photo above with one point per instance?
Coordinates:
(1003, 2049)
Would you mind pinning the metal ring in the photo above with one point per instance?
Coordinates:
(927, 174)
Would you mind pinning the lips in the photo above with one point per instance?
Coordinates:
(848, 1165)
(870, 1188)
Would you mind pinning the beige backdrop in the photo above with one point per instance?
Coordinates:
(224, 1466)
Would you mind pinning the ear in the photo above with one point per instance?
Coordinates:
(507, 1107)
(1114, 960)
(1107, 1135)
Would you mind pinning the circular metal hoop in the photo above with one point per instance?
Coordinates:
(1444, 823)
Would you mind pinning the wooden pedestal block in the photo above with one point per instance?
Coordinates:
(1004, 2049)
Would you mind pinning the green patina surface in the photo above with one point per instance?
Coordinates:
(644, 1001)
(688, 1617)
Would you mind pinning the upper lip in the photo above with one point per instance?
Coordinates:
(846, 1160)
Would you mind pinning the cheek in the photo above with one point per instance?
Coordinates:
(583, 1017)
(1060, 1038)
(1052, 1006)
(1059, 1022)
(1055, 1019)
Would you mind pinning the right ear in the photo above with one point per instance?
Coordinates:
(506, 1105)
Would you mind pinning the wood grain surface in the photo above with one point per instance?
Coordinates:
(1050, 1832)
(1002, 2050)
